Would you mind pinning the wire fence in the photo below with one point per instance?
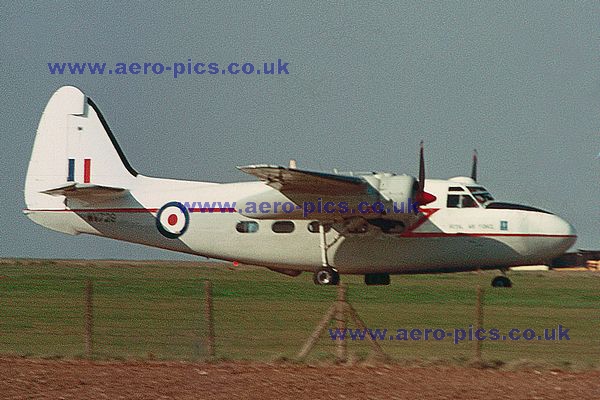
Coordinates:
(192, 319)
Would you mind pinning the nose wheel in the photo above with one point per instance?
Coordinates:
(501, 281)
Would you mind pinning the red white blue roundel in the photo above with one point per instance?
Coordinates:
(172, 220)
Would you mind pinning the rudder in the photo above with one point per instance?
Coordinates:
(73, 144)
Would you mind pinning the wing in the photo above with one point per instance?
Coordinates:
(292, 181)
(348, 196)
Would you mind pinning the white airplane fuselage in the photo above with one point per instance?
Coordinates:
(443, 239)
(449, 239)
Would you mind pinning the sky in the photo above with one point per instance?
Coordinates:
(516, 80)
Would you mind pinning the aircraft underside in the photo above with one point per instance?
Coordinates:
(370, 253)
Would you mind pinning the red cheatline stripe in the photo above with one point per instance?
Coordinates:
(87, 164)
(139, 210)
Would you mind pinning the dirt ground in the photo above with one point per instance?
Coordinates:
(22, 378)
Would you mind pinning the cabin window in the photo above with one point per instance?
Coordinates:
(247, 227)
(313, 227)
(283, 227)
(455, 189)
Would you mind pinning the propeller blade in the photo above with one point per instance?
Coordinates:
(422, 196)
(474, 166)
(421, 170)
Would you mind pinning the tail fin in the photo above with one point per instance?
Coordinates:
(73, 145)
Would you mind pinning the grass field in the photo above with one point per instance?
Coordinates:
(155, 310)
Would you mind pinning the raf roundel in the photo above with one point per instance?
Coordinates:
(172, 220)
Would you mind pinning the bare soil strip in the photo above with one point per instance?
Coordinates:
(22, 378)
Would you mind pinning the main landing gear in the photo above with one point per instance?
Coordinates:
(326, 275)
(501, 281)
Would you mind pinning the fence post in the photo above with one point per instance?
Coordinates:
(89, 319)
(479, 322)
(208, 316)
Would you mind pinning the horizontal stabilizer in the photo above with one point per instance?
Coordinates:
(87, 192)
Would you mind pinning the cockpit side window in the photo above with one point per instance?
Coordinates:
(453, 201)
(481, 194)
(468, 202)
(461, 201)
(474, 189)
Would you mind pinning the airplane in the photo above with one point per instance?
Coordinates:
(79, 181)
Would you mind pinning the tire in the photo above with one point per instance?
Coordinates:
(501, 281)
(377, 279)
(326, 276)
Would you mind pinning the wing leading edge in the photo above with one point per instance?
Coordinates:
(87, 192)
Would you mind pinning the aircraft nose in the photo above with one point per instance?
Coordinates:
(567, 233)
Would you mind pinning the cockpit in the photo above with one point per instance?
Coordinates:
(467, 197)
(481, 194)
(474, 196)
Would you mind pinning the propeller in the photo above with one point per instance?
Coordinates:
(422, 196)
(474, 166)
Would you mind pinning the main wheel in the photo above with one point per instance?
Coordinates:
(326, 276)
(501, 281)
